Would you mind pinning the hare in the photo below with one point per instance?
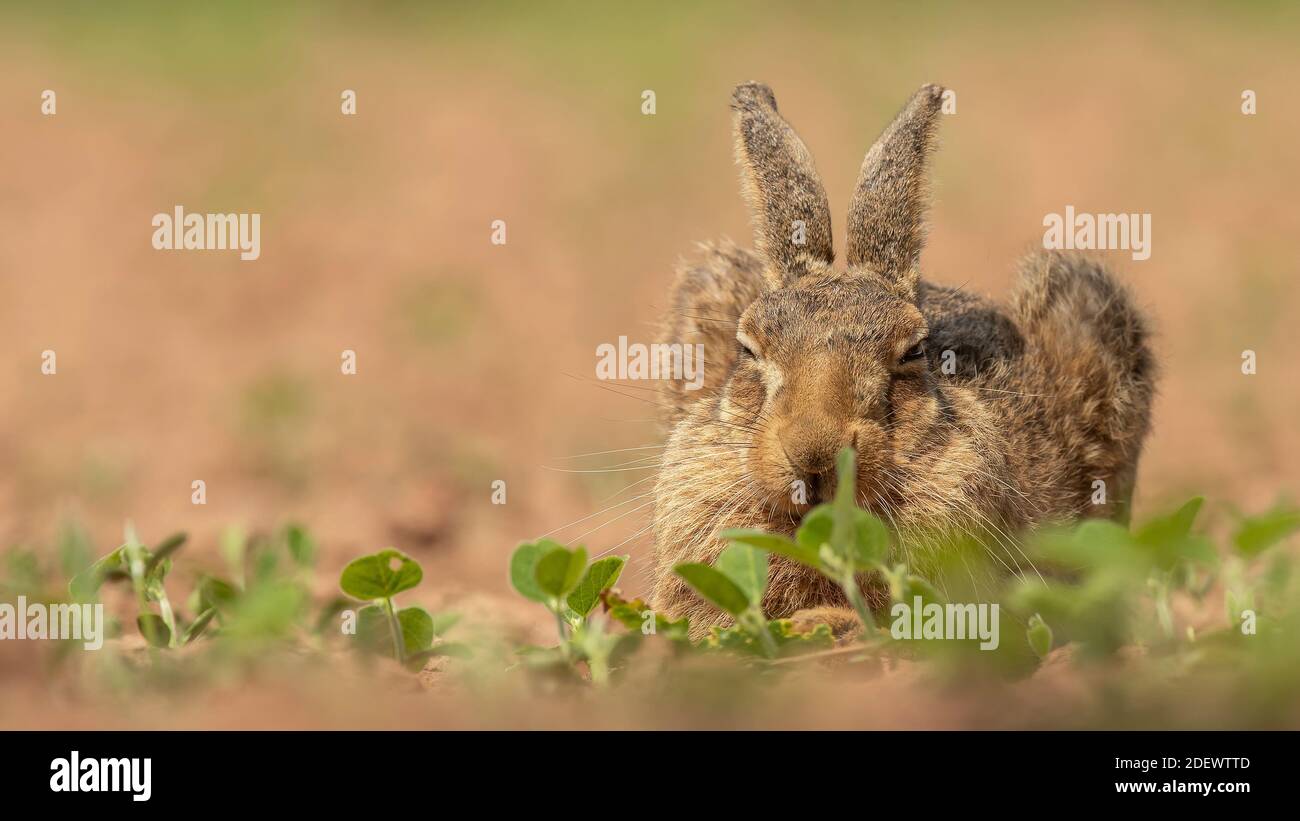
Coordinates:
(1039, 415)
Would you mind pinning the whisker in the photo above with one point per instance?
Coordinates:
(593, 515)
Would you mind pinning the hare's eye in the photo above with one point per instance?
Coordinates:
(914, 353)
(747, 349)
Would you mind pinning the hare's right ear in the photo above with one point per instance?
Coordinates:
(792, 220)
(887, 214)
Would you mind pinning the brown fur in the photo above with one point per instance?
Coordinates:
(1050, 393)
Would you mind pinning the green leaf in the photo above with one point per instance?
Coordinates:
(154, 629)
(1258, 533)
(198, 626)
(1095, 544)
(909, 586)
(600, 576)
(329, 613)
(217, 593)
(870, 541)
(75, 550)
(523, 568)
(301, 545)
(714, 586)
(636, 616)
(1168, 539)
(853, 535)
(153, 582)
(1040, 636)
(442, 622)
(417, 629)
(738, 640)
(453, 649)
(266, 561)
(1174, 526)
(780, 545)
(167, 547)
(747, 567)
(86, 584)
(375, 632)
(268, 611)
(234, 545)
(842, 524)
(867, 547)
(559, 570)
(381, 575)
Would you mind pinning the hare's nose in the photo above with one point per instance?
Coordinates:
(812, 457)
(809, 455)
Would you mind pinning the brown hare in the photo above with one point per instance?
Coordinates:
(965, 414)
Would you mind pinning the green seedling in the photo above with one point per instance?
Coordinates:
(841, 541)
(1115, 569)
(1109, 588)
(408, 633)
(735, 584)
(146, 570)
(561, 580)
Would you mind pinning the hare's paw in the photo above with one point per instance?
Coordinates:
(842, 621)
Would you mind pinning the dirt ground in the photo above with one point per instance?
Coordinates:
(476, 361)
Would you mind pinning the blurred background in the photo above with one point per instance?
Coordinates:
(476, 362)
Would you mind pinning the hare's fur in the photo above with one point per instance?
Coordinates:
(1048, 394)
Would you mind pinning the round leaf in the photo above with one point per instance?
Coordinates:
(559, 571)
(815, 531)
(870, 546)
(381, 575)
(523, 568)
(417, 629)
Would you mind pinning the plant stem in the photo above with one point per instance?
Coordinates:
(1163, 613)
(854, 593)
(758, 626)
(135, 568)
(399, 647)
(169, 618)
(560, 626)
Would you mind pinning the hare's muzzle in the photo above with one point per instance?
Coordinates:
(811, 456)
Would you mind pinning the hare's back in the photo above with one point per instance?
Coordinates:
(968, 333)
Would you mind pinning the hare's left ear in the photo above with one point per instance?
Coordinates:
(792, 220)
(886, 226)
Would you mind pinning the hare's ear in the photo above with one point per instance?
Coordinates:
(886, 226)
(792, 221)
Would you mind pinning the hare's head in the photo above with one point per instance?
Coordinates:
(832, 357)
